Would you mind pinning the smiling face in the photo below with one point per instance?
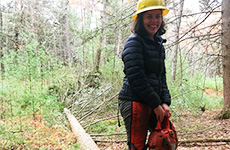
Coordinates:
(152, 20)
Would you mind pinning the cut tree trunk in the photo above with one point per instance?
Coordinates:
(83, 138)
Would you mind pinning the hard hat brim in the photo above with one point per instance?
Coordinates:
(164, 11)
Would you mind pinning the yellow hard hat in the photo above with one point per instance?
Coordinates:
(145, 5)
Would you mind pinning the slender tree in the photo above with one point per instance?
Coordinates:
(226, 57)
(103, 37)
(177, 47)
(66, 36)
(1, 39)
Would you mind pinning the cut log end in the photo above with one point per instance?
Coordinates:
(83, 138)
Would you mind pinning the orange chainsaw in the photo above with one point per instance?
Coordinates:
(164, 136)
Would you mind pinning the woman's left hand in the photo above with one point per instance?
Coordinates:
(167, 110)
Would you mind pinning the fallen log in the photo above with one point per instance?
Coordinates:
(83, 138)
(110, 141)
(195, 132)
(204, 140)
(181, 142)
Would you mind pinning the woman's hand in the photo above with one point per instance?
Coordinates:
(160, 113)
(167, 110)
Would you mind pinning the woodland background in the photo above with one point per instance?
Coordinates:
(66, 53)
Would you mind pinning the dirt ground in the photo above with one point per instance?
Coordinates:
(193, 127)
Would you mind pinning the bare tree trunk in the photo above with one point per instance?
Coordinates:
(83, 46)
(1, 55)
(66, 41)
(166, 2)
(119, 41)
(98, 56)
(119, 28)
(102, 39)
(174, 65)
(1, 39)
(226, 56)
(16, 31)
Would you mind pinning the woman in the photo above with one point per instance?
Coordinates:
(144, 98)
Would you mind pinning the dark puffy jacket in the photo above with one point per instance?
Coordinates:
(144, 69)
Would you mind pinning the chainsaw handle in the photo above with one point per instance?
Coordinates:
(165, 122)
(158, 127)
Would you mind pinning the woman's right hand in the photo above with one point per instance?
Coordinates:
(160, 113)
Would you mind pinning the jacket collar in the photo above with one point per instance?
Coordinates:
(157, 38)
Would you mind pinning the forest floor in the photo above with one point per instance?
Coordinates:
(202, 125)
(192, 127)
(189, 127)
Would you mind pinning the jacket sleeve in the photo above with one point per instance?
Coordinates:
(165, 95)
(133, 59)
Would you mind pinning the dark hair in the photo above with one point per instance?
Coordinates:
(138, 26)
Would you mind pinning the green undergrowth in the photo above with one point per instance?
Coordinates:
(31, 116)
(108, 127)
(33, 96)
(196, 92)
